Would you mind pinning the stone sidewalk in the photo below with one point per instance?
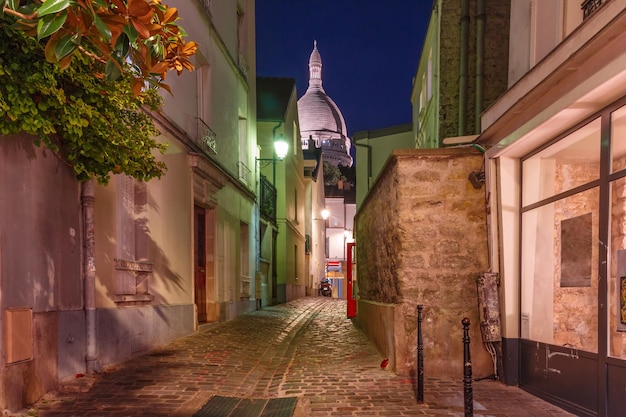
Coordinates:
(306, 349)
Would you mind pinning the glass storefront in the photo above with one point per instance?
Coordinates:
(617, 254)
(560, 224)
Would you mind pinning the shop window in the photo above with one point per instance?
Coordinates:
(617, 271)
(560, 223)
(559, 304)
(569, 163)
(618, 135)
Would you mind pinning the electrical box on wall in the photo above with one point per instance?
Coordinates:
(19, 335)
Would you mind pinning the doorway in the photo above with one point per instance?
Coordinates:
(199, 244)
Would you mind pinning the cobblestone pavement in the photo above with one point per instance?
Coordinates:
(306, 349)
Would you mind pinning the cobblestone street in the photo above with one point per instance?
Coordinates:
(306, 349)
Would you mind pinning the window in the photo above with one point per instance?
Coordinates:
(295, 205)
(203, 80)
(296, 139)
(295, 261)
(132, 266)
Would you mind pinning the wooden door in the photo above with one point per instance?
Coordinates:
(200, 295)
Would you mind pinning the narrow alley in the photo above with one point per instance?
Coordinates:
(304, 358)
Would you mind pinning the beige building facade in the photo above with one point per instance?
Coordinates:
(105, 273)
(555, 174)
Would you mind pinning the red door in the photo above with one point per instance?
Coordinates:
(200, 263)
(351, 289)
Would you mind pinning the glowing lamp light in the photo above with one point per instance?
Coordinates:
(325, 214)
(281, 147)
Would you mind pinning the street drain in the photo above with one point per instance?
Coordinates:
(219, 406)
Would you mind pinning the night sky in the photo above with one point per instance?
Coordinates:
(370, 51)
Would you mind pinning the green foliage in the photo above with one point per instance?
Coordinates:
(331, 174)
(98, 127)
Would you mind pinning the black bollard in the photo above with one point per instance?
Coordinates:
(420, 356)
(467, 370)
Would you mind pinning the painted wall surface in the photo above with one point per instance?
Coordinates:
(161, 306)
(291, 205)
(422, 239)
(315, 228)
(40, 269)
(221, 90)
(372, 150)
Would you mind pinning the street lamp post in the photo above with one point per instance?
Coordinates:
(281, 147)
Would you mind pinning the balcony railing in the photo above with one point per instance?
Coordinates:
(590, 6)
(244, 172)
(267, 203)
(206, 138)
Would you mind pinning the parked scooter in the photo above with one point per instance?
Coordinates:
(326, 289)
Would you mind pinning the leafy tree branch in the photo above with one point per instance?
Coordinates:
(97, 126)
(140, 37)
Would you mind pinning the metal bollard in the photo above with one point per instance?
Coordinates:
(420, 356)
(467, 370)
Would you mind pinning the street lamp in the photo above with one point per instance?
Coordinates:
(281, 147)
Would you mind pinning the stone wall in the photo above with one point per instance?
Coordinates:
(495, 59)
(422, 239)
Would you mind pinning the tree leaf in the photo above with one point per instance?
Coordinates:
(66, 61)
(64, 47)
(51, 47)
(50, 24)
(102, 27)
(112, 70)
(122, 46)
(130, 31)
(52, 7)
(2, 4)
(140, 10)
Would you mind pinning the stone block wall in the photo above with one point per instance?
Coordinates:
(422, 239)
(495, 61)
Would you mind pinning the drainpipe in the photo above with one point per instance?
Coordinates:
(463, 65)
(480, 65)
(89, 274)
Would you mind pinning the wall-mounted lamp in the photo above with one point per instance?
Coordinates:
(325, 214)
(281, 148)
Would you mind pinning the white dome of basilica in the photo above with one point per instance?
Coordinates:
(321, 119)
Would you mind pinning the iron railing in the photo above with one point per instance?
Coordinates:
(206, 138)
(267, 204)
(590, 6)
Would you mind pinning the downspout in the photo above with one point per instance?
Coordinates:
(89, 275)
(463, 66)
(480, 55)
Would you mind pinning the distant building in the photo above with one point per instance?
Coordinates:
(462, 69)
(322, 126)
(321, 119)
(282, 231)
(373, 148)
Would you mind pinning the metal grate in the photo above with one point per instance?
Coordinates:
(219, 406)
